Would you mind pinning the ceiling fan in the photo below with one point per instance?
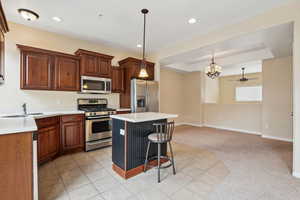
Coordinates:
(244, 78)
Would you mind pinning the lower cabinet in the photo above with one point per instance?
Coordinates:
(16, 166)
(72, 133)
(48, 138)
(59, 135)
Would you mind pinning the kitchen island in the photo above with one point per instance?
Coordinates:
(129, 141)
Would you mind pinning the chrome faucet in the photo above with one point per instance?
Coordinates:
(24, 108)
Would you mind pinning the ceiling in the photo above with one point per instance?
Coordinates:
(121, 23)
(250, 67)
(265, 44)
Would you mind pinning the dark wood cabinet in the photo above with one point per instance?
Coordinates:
(36, 70)
(48, 70)
(150, 71)
(48, 138)
(16, 166)
(131, 68)
(117, 79)
(89, 65)
(48, 143)
(72, 133)
(104, 67)
(67, 76)
(3, 29)
(94, 63)
(59, 135)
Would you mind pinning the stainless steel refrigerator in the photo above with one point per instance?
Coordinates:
(144, 96)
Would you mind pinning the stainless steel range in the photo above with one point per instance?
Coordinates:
(97, 122)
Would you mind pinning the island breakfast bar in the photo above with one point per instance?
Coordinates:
(129, 141)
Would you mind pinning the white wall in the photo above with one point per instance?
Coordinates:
(12, 97)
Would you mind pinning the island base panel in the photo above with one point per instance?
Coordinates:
(135, 171)
(129, 149)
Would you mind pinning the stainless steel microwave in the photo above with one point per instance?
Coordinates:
(95, 85)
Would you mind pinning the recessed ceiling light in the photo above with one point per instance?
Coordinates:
(57, 19)
(139, 46)
(29, 15)
(192, 21)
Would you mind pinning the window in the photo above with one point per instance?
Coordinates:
(249, 93)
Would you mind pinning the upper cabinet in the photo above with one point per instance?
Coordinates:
(134, 65)
(132, 68)
(3, 30)
(48, 70)
(66, 74)
(36, 70)
(117, 79)
(94, 64)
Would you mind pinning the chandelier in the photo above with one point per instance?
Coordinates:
(213, 70)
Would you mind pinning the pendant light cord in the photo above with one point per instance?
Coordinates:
(144, 36)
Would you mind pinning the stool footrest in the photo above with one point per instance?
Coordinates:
(165, 158)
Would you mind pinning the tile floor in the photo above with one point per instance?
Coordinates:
(214, 165)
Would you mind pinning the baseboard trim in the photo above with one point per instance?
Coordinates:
(296, 174)
(232, 129)
(277, 138)
(235, 130)
(189, 124)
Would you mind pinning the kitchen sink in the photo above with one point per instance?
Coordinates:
(35, 114)
(19, 116)
(14, 116)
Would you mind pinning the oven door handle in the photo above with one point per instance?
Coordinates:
(92, 118)
(100, 120)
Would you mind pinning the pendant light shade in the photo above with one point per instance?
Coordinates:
(143, 72)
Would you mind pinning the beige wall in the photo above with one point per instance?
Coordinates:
(171, 88)
(227, 113)
(277, 98)
(227, 87)
(210, 89)
(239, 117)
(180, 93)
(44, 100)
(276, 16)
(192, 105)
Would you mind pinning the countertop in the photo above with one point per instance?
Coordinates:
(123, 109)
(143, 117)
(17, 125)
(27, 124)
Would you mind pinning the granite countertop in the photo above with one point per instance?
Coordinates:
(27, 124)
(143, 117)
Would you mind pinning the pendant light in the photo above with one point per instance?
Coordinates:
(143, 72)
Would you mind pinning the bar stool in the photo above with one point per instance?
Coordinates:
(163, 134)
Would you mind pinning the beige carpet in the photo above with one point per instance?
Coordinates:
(258, 168)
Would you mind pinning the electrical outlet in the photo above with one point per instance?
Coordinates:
(122, 132)
(267, 126)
